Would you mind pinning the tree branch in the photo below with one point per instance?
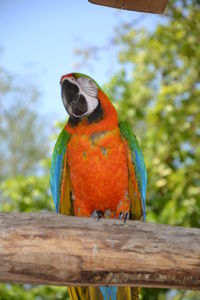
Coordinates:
(60, 250)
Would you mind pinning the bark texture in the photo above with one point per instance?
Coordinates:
(152, 6)
(54, 249)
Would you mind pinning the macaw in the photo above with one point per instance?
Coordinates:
(97, 168)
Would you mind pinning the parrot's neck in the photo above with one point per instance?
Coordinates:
(102, 119)
(94, 117)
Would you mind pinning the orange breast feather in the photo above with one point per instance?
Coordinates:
(98, 171)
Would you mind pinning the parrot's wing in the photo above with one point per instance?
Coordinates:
(59, 174)
(137, 172)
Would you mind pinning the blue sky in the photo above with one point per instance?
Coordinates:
(38, 39)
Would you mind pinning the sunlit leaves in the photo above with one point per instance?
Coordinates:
(26, 194)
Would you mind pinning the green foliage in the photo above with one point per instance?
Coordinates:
(158, 92)
(24, 169)
(20, 149)
(186, 295)
(27, 292)
(159, 96)
(26, 194)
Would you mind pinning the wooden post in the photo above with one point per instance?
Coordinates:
(60, 250)
(149, 6)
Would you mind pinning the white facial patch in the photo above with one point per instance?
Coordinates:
(89, 90)
(92, 103)
(88, 86)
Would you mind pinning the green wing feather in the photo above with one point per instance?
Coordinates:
(57, 166)
(137, 161)
(60, 187)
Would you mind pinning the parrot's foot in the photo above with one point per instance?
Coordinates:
(124, 216)
(97, 214)
(123, 209)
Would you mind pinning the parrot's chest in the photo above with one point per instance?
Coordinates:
(98, 171)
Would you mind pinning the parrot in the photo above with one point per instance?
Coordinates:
(97, 168)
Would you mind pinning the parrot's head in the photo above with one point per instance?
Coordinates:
(80, 96)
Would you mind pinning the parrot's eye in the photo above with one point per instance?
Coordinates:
(88, 86)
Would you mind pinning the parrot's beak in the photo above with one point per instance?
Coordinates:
(65, 77)
(74, 102)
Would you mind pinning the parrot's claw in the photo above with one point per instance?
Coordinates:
(97, 214)
(124, 216)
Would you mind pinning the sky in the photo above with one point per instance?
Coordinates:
(38, 39)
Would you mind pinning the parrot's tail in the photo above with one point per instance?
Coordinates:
(109, 293)
(103, 293)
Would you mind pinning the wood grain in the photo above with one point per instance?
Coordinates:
(59, 250)
(149, 6)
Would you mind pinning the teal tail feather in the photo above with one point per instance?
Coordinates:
(109, 293)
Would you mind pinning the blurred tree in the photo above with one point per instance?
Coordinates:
(28, 292)
(20, 149)
(24, 167)
(157, 91)
(26, 194)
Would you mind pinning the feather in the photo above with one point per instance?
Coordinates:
(137, 161)
(109, 293)
(57, 166)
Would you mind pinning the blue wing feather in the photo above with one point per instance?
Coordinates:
(57, 166)
(138, 161)
(141, 175)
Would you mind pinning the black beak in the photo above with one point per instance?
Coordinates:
(74, 102)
